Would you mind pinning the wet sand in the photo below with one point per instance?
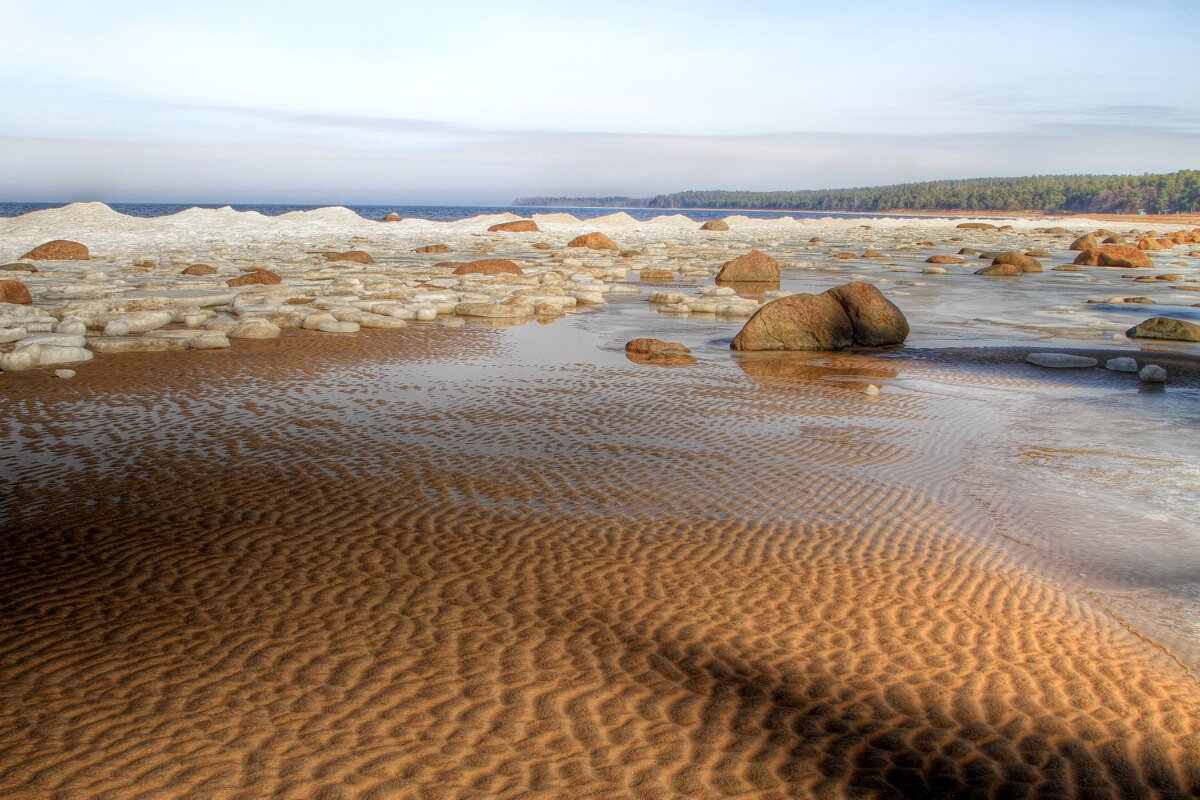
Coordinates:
(508, 562)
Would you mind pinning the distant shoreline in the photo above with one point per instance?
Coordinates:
(949, 213)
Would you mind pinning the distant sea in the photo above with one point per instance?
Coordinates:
(439, 213)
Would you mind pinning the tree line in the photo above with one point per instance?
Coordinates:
(1110, 194)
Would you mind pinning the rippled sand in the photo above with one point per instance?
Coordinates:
(464, 564)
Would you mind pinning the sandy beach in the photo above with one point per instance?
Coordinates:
(500, 558)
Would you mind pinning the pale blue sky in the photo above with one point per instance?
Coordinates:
(480, 102)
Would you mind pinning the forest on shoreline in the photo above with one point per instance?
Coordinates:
(1105, 194)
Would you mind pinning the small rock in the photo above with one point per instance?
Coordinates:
(715, 225)
(593, 241)
(64, 373)
(1123, 364)
(1152, 373)
(488, 266)
(646, 346)
(357, 256)
(871, 390)
(519, 226)
(15, 292)
(258, 277)
(1060, 360)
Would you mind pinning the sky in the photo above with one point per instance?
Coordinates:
(483, 102)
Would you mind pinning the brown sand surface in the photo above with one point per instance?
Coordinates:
(432, 564)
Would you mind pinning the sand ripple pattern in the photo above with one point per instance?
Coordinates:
(355, 569)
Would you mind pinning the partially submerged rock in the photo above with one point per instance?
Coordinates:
(856, 313)
(1152, 373)
(199, 269)
(434, 248)
(1026, 263)
(754, 266)
(647, 346)
(1061, 360)
(1005, 270)
(1176, 330)
(715, 225)
(945, 260)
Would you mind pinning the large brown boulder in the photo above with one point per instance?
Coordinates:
(1177, 330)
(876, 320)
(14, 292)
(357, 256)
(434, 248)
(856, 313)
(519, 226)
(754, 266)
(797, 322)
(488, 266)
(715, 225)
(199, 269)
(1026, 263)
(945, 260)
(593, 241)
(259, 277)
(976, 226)
(58, 250)
(1088, 241)
(1122, 255)
(392, 217)
(1149, 243)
